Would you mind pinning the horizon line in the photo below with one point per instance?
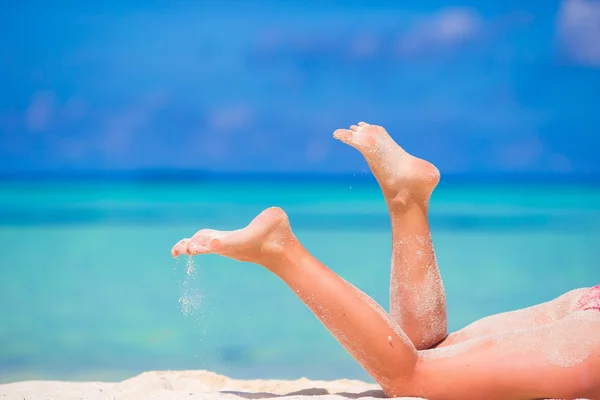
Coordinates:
(165, 176)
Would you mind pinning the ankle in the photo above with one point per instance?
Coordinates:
(403, 204)
(279, 254)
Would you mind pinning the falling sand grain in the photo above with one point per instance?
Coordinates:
(190, 299)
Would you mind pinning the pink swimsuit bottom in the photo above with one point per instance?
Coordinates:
(590, 300)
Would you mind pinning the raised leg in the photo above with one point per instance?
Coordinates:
(417, 297)
(356, 321)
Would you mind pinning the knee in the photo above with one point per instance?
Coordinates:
(431, 338)
(410, 385)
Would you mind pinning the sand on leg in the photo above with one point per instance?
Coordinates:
(559, 360)
(355, 320)
(417, 297)
(526, 318)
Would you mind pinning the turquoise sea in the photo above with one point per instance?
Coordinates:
(88, 289)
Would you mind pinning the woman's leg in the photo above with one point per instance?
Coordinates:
(417, 298)
(527, 318)
(356, 321)
(559, 360)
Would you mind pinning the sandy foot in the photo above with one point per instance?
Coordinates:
(402, 177)
(264, 236)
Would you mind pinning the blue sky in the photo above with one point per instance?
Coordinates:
(476, 86)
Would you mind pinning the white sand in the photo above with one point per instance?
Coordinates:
(174, 385)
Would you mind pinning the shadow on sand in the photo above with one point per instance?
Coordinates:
(307, 392)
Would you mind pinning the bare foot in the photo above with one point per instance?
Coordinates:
(404, 179)
(265, 236)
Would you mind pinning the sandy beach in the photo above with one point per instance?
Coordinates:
(174, 385)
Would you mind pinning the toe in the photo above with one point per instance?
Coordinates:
(203, 236)
(354, 128)
(195, 249)
(180, 248)
(361, 123)
(345, 135)
(199, 244)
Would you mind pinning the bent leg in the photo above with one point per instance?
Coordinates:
(364, 328)
(417, 298)
(356, 321)
(531, 317)
(557, 360)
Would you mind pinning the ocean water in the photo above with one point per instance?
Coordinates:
(88, 289)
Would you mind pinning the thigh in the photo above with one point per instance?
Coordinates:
(557, 360)
(541, 314)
